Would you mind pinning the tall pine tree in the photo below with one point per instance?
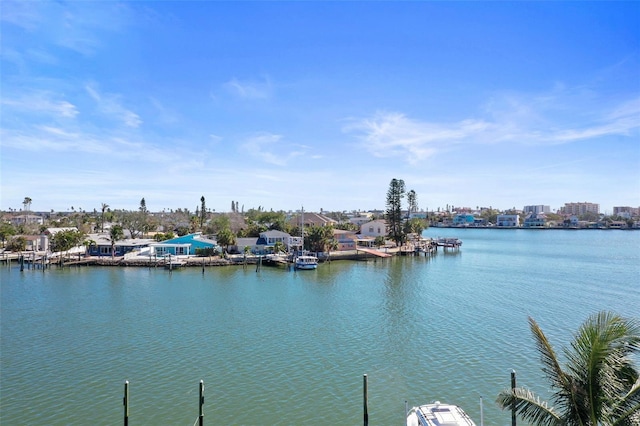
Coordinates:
(203, 211)
(395, 194)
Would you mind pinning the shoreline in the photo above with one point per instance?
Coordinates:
(185, 261)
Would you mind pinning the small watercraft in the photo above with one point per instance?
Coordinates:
(438, 414)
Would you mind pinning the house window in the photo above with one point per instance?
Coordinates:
(179, 250)
(105, 250)
(371, 229)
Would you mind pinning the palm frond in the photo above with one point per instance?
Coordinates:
(627, 411)
(550, 365)
(529, 407)
(600, 365)
(599, 385)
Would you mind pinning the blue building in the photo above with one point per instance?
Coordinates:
(463, 220)
(185, 245)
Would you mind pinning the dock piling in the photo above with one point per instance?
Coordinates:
(365, 400)
(513, 404)
(125, 402)
(201, 403)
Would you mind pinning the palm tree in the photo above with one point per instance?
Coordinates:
(116, 233)
(600, 384)
(27, 204)
(279, 247)
(226, 238)
(332, 244)
(104, 207)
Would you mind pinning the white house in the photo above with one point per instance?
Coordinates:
(269, 238)
(508, 220)
(27, 219)
(360, 220)
(535, 220)
(375, 228)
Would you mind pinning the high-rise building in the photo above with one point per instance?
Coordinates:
(578, 209)
(626, 211)
(536, 209)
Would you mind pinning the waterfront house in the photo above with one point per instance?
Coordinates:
(312, 219)
(45, 237)
(535, 220)
(617, 224)
(100, 245)
(184, 245)
(375, 228)
(255, 245)
(508, 220)
(33, 242)
(269, 238)
(463, 219)
(346, 239)
(359, 220)
(573, 223)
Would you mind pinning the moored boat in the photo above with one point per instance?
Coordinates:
(438, 414)
(449, 242)
(275, 259)
(306, 262)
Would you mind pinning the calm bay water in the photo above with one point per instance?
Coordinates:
(278, 347)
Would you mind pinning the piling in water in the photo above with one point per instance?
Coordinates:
(125, 402)
(365, 400)
(513, 404)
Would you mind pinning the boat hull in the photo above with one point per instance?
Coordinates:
(306, 267)
(306, 262)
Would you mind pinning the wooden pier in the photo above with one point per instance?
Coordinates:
(373, 252)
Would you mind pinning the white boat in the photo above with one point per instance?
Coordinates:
(449, 242)
(276, 259)
(438, 414)
(306, 262)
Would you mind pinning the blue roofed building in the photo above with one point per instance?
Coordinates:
(464, 219)
(182, 246)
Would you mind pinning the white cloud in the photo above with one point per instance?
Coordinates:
(270, 148)
(43, 103)
(261, 145)
(109, 104)
(79, 26)
(547, 119)
(22, 14)
(164, 115)
(395, 135)
(249, 89)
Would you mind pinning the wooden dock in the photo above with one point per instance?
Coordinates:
(377, 253)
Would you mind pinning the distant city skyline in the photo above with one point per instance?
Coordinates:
(566, 209)
(319, 104)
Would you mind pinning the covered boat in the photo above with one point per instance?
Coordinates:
(438, 414)
(306, 262)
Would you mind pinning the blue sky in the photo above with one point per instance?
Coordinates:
(321, 104)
